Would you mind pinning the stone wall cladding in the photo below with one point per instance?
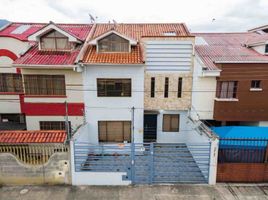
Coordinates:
(55, 171)
(172, 102)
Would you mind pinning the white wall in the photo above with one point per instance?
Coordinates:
(32, 122)
(186, 133)
(113, 108)
(204, 92)
(10, 104)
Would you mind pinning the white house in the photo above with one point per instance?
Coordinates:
(137, 92)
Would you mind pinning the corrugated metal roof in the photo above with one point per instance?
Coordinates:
(79, 30)
(36, 57)
(228, 47)
(22, 137)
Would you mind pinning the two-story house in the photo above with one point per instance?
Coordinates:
(230, 79)
(49, 88)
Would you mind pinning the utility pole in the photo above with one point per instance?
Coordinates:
(132, 123)
(67, 122)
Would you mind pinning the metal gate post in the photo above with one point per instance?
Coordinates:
(132, 166)
(151, 163)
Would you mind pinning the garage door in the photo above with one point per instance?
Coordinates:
(114, 131)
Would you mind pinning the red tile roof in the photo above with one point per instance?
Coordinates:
(135, 57)
(22, 137)
(36, 57)
(227, 47)
(136, 32)
(78, 30)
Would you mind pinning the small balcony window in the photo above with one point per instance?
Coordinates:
(256, 84)
(227, 90)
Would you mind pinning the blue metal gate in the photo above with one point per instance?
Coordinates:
(147, 163)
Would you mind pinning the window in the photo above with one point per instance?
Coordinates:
(114, 131)
(266, 48)
(166, 87)
(10, 83)
(152, 87)
(114, 87)
(179, 87)
(171, 123)
(53, 125)
(55, 41)
(227, 89)
(44, 85)
(113, 43)
(256, 84)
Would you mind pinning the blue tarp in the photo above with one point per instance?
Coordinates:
(257, 134)
(245, 132)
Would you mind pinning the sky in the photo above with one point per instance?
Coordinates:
(199, 15)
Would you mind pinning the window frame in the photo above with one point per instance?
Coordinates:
(116, 80)
(266, 49)
(170, 123)
(15, 80)
(253, 84)
(179, 95)
(152, 87)
(234, 92)
(55, 39)
(33, 85)
(123, 130)
(113, 42)
(166, 87)
(61, 124)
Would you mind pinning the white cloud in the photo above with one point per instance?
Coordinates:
(230, 15)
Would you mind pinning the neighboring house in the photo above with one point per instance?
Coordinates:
(137, 89)
(46, 70)
(230, 79)
(13, 43)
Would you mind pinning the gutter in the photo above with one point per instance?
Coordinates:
(251, 61)
(43, 66)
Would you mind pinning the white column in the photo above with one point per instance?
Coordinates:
(214, 147)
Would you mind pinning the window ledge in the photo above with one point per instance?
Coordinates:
(45, 96)
(225, 99)
(255, 89)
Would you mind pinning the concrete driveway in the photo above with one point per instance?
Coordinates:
(156, 192)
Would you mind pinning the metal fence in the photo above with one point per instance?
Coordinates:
(146, 162)
(33, 154)
(243, 150)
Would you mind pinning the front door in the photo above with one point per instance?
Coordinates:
(150, 127)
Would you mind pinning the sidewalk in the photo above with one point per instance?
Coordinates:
(145, 192)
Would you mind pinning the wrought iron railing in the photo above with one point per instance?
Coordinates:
(33, 154)
(146, 162)
(243, 150)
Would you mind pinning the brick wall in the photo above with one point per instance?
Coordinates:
(55, 171)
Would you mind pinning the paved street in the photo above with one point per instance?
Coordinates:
(159, 192)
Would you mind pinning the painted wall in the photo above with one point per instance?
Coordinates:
(32, 122)
(55, 171)
(204, 92)
(186, 133)
(11, 104)
(113, 108)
